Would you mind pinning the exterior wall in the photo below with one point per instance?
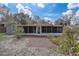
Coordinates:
(10, 28)
(2, 28)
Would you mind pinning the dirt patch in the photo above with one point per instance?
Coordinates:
(27, 46)
(40, 41)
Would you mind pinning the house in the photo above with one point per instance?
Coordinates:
(32, 29)
(9, 26)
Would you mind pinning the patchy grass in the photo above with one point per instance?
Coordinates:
(1, 36)
(56, 40)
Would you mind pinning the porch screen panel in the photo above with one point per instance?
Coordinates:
(54, 29)
(32, 29)
(59, 29)
(26, 30)
(44, 29)
(49, 29)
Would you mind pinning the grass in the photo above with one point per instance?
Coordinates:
(1, 36)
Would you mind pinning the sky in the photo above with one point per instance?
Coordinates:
(48, 11)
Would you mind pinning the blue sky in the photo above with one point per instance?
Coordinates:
(51, 11)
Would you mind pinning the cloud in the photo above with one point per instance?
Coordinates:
(67, 15)
(6, 4)
(27, 7)
(54, 16)
(19, 7)
(47, 18)
(73, 5)
(68, 12)
(27, 11)
(24, 9)
(40, 5)
(51, 14)
(77, 13)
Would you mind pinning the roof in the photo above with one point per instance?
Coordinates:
(40, 25)
(7, 23)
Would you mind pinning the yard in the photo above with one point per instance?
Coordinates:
(27, 46)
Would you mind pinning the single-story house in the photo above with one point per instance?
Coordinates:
(32, 29)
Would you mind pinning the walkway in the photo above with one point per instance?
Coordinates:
(39, 41)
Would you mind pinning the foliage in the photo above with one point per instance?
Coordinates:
(22, 18)
(76, 50)
(56, 40)
(19, 30)
(67, 43)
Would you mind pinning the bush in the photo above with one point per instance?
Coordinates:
(56, 40)
(67, 43)
(19, 30)
(75, 50)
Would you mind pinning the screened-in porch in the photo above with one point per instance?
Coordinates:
(42, 29)
(52, 29)
(29, 29)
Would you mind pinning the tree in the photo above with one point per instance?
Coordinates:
(3, 9)
(75, 20)
(65, 19)
(22, 18)
(3, 12)
(60, 22)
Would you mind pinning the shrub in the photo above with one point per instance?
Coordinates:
(19, 30)
(67, 43)
(56, 40)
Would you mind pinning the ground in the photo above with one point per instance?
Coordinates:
(28, 46)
